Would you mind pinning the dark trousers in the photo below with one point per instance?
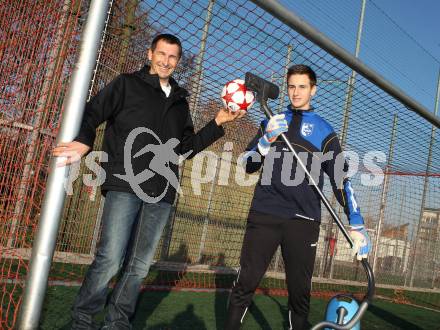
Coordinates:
(264, 233)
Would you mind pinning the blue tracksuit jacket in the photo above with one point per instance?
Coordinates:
(282, 189)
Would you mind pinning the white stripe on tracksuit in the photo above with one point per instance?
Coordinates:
(241, 320)
(290, 320)
(233, 284)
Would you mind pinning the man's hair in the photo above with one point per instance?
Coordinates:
(302, 69)
(168, 38)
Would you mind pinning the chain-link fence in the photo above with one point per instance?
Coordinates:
(397, 178)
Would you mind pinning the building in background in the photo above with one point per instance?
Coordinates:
(428, 246)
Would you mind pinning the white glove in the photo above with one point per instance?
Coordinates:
(361, 240)
(276, 126)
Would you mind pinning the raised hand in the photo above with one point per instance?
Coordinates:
(226, 115)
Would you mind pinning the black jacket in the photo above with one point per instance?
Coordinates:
(281, 191)
(136, 100)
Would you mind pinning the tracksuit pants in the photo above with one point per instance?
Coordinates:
(264, 233)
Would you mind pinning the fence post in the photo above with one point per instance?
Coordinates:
(425, 184)
(384, 194)
(208, 210)
(196, 85)
(352, 80)
(347, 110)
(283, 81)
(396, 247)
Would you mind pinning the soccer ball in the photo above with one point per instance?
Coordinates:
(236, 97)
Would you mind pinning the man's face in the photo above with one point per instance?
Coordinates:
(163, 60)
(300, 91)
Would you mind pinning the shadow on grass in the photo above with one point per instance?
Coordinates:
(259, 317)
(184, 320)
(144, 308)
(284, 311)
(392, 318)
(222, 297)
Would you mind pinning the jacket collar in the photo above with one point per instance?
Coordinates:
(153, 80)
(296, 111)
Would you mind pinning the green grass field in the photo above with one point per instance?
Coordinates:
(163, 310)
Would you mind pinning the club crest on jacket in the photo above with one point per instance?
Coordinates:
(307, 129)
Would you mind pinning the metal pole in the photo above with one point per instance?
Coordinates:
(169, 228)
(347, 108)
(333, 257)
(323, 261)
(425, 184)
(384, 194)
(406, 262)
(208, 210)
(45, 239)
(396, 247)
(97, 226)
(196, 85)
(352, 79)
(284, 82)
(434, 258)
(299, 25)
(272, 77)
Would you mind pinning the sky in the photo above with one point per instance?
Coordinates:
(401, 41)
(400, 38)
(420, 19)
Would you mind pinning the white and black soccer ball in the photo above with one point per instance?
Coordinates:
(236, 97)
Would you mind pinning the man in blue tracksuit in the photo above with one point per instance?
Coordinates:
(286, 209)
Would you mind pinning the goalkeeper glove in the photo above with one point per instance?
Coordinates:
(276, 126)
(361, 241)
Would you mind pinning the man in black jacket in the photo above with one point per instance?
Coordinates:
(286, 209)
(148, 126)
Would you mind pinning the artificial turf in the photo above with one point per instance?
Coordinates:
(163, 310)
